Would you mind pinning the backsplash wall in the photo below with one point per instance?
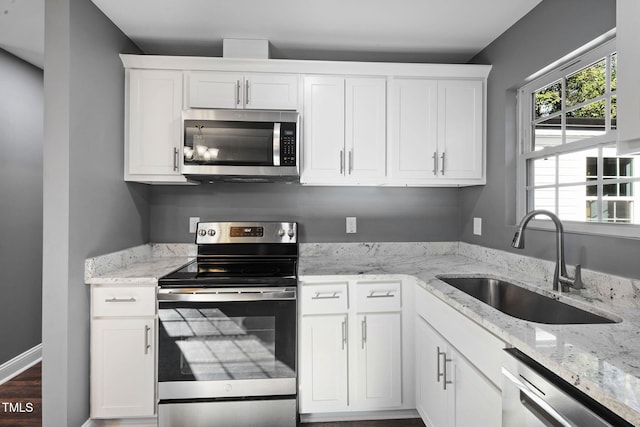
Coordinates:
(384, 214)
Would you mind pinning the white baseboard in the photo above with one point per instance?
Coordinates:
(397, 414)
(20, 363)
(130, 422)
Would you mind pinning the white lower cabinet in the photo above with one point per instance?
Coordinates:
(123, 328)
(351, 346)
(455, 388)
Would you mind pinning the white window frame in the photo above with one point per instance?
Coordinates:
(583, 57)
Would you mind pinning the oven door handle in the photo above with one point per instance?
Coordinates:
(226, 295)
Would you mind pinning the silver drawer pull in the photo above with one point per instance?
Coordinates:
(114, 299)
(334, 295)
(387, 294)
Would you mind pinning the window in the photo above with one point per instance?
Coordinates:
(568, 162)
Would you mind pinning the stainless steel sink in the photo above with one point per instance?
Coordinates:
(522, 303)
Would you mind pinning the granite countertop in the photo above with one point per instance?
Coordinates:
(601, 360)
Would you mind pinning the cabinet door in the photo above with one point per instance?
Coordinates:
(628, 92)
(271, 91)
(323, 377)
(413, 114)
(154, 126)
(215, 89)
(431, 399)
(365, 130)
(476, 402)
(323, 150)
(460, 130)
(378, 382)
(122, 368)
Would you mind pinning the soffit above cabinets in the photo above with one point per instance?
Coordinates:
(426, 31)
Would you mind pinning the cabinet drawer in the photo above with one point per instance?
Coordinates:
(123, 301)
(378, 296)
(325, 298)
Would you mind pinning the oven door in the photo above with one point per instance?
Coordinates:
(226, 342)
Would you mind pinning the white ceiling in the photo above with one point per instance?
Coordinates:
(444, 30)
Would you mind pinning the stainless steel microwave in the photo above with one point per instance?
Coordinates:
(241, 145)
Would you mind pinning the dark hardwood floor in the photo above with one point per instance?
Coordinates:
(21, 405)
(21, 399)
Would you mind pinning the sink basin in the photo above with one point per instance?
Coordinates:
(522, 303)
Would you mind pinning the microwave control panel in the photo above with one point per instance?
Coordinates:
(288, 144)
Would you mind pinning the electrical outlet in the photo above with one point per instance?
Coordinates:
(477, 226)
(351, 224)
(193, 223)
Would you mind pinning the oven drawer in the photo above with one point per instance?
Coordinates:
(123, 301)
(378, 296)
(325, 298)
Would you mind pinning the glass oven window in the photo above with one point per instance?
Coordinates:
(228, 143)
(226, 341)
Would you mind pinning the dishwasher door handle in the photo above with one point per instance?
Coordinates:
(535, 404)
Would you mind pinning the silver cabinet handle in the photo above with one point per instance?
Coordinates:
(237, 92)
(147, 344)
(350, 161)
(344, 333)
(388, 294)
(364, 331)
(114, 299)
(175, 159)
(438, 374)
(246, 92)
(334, 295)
(435, 162)
(444, 372)
(442, 157)
(539, 404)
(341, 162)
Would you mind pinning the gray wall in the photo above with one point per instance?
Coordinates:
(21, 115)
(549, 32)
(88, 208)
(384, 214)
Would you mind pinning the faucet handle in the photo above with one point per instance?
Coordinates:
(577, 280)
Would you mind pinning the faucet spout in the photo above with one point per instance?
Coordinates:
(561, 279)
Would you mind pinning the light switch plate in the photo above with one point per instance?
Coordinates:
(351, 224)
(193, 223)
(477, 226)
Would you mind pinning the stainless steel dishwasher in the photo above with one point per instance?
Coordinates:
(534, 396)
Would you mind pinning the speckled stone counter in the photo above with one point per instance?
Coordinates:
(601, 360)
(141, 264)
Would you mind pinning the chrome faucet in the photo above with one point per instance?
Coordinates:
(561, 279)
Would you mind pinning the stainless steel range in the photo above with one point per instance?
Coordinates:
(227, 329)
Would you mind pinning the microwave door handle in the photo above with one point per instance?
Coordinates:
(276, 144)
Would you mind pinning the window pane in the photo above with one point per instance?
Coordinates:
(614, 112)
(610, 166)
(544, 198)
(592, 210)
(571, 202)
(571, 166)
(547, 133)
(592, 191)
(544, 171)
(586, 121)
(625, 166)
(614, 71)
(586, 84)
(617, 211)
(548, 100)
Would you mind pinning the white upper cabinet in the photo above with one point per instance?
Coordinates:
(153, 126)
(209, 89)
(436, 132)
(628, 88)
(413, 121)
(344, 130)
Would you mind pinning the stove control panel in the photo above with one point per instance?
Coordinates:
(246, 232)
